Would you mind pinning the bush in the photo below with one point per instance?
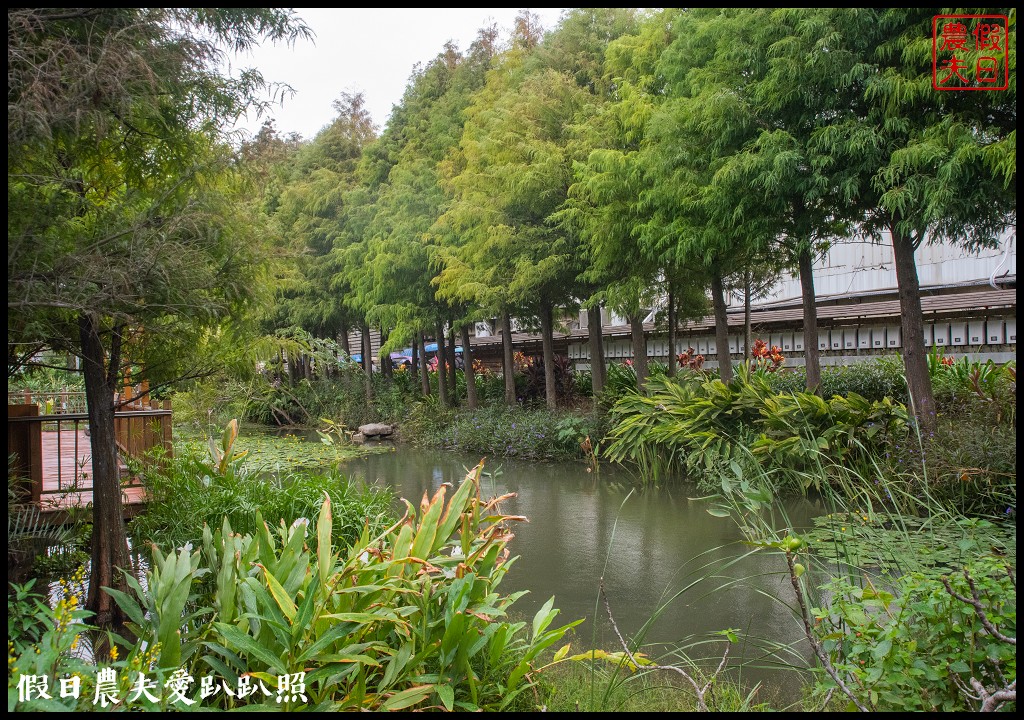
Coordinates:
(341, 398)
(503, 431)
(971, 465)
(190, 493)
(700, 426)
(875, 380)
(918, 647)
(407, 618)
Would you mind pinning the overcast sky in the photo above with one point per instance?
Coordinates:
(367, 50)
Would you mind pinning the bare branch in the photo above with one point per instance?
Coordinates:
(975, 602)
(992, 702)
(815, 645)
(697, 689)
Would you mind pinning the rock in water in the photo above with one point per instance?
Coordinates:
(376, 430)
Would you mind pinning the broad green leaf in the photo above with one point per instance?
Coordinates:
(408, 697)
(447, 695)
(280, 595)
(249, 646)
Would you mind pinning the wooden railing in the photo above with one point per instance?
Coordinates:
(51, 402)
(50, 454)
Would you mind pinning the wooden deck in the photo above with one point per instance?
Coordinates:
(67, 473)
(51, 455)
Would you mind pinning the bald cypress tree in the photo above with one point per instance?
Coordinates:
(120, 218)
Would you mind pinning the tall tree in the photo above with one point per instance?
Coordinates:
(774, 177)
(920, 166)
(692, 137)
(512, 174)
(320, 206)
(118, 218)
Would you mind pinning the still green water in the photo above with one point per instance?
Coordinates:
(662, 557)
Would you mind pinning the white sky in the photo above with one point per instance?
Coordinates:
(368, 50)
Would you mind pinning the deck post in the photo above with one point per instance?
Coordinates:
(25, 440)
(165, 426)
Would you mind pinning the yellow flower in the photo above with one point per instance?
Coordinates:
(113, 653)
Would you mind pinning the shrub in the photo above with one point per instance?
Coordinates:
(918, 647)
(408, 618)
(875, 380)
(190, 492)
(699, 425)
(503, 431)
(341, 397)
(970, 464)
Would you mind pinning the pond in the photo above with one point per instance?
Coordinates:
(648, 546)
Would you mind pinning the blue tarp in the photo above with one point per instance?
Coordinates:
(407, 352)
(432, 347)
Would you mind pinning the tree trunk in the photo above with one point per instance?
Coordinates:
(812, 357)
(508, 368)
(307, 367)
(368, 363)
(109, 539)
(547, 342)
(636, 328)
(453, 373)
(595, 330)
(915, 360)
(467, 369)
(721, 327)
(385, 359)
(748, 331)
(344, 341)
(442, 376)
(424, 374)
(671, 332)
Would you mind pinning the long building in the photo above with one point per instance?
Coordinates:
(969, 301)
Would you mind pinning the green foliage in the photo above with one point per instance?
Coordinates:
(26, 616)
(209, 402)
(502, 431)
(45, 379)
(426, 613)
(916, 647)
(801, 429)
(912, 604)
(42, 640)
(970, 462)
(966, 388)
(873, 540)
(341, 397)
(698, 426)
(583, 382)
(875, 380)
(190, 492)
(408, 617)
(577, 687)
(619, 382)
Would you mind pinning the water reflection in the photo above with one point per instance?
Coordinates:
(667, 564)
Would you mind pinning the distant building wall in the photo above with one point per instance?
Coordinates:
(860, 267)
